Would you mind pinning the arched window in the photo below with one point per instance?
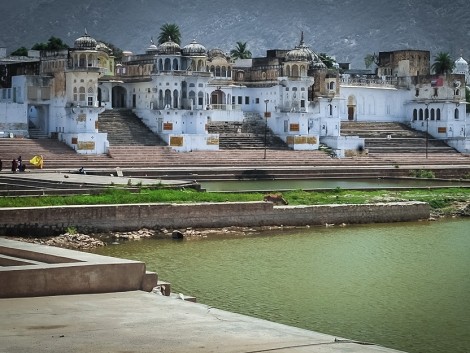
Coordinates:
(224, 71)
(287, 70)
(167, 66)
(175, 64)
(438, 114)
(212, 69)
(295, 71)
(456, 114)
(426, 114)
(332, 86)
(217, 71)
(200, 98)
(167, 98)
(432, 114)
(90, 96)
(330, 109)
(75, 94)
(175, 98)
(81, 92)
(192, 97)
(415, 114)
(160, 65)
(160, 99)
(421, 114)
(229, 72)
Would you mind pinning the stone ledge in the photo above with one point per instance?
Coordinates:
(57, 271)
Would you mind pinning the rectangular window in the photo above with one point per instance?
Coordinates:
(247, 100)
(90, 101)
(233, 99)
(240, 100)
(199, 100)
(302, 103)
(257, 100)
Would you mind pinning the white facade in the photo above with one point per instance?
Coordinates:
(178, 91)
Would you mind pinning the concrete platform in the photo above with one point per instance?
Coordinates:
(145, 322)
(28, 270)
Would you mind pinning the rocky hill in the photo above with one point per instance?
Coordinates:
(347, 29)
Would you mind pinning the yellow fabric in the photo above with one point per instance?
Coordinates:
(36, 161)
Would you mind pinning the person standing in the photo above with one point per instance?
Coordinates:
(14, 165)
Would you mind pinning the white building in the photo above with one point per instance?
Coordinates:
(178, 91)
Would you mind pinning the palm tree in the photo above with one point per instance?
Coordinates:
(443, 63)
(169, 31)
(240, 52)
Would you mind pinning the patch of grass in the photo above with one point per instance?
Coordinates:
(437, 198)
(422, 173)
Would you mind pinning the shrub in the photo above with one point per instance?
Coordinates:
(422, 173)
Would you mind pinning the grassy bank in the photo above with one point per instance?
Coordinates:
(443, 199)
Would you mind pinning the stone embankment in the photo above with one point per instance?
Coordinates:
(80, 241)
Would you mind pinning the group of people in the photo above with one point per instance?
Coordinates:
(17, 165)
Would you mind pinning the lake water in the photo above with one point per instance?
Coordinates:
(310, 184)
(404, 286)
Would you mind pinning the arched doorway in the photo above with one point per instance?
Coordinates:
(351, 108)
(217, 97)
(119, 97)
(38, 120)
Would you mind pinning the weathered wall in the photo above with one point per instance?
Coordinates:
(47, 220)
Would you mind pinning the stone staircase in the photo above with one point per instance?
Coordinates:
(56, 154)
(35, 133)
(394, 138)
(248, 134)
(124, 128)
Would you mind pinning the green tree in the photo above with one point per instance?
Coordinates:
(23, 51)
(53, 43)
(169, 31)
(370, 59)
(443, 63)
(241, 51)
(117, 52)
(327, 60)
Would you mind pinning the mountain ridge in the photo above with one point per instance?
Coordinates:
(347, 29)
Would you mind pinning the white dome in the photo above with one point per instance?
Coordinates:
(461, 65)
(169, 48)
(194, 48)
(85, 42)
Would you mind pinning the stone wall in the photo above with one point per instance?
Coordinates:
(50, 220)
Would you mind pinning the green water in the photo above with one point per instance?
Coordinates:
(310, 184)
(404, 286)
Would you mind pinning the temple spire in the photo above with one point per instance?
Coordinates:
(302, 38)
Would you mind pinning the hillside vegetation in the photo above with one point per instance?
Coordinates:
(348, 29)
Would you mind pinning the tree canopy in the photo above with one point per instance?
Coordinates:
(22, 51)
(117, 52)
(53, 43)
(327, 60)
(169, 31)
(240, 51)
(443, 63)
(370, 59)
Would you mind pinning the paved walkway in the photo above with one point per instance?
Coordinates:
(146, 322)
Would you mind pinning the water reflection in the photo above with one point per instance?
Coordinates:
(404, 285)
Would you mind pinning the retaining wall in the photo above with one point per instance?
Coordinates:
(50, 220)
